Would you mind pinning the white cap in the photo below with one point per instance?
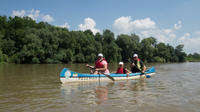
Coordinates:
(135, 55)
(100, 54)
(121, 63)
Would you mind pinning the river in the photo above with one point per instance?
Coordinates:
(36, 88)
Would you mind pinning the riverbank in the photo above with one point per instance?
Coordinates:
(193, 60)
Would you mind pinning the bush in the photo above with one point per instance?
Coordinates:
(158, 59)
(35, 60)
(3, 57)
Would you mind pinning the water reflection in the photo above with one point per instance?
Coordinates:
(101, 94)
(95, 93)
(138, 85)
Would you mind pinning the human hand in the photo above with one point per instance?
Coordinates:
(96, 69)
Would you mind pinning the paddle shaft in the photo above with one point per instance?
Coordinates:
(111, 78)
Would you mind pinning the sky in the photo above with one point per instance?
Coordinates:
(173, 22)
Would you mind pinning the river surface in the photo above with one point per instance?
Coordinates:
(36, 88)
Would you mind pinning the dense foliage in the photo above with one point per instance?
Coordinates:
(193, 57)
(22, 40)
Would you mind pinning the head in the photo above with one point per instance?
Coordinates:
(100, 55)
(121, 64)
(135, 57)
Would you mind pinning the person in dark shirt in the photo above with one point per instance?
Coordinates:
(137, 65)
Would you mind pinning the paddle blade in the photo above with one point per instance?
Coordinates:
(148, 76)
(111, 78)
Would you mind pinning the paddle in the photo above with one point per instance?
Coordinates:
(111, 78)
(147, 76)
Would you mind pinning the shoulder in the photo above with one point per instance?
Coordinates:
(141, 62)
(104, 62)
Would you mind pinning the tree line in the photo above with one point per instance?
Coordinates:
(195, 57)
(23, 40)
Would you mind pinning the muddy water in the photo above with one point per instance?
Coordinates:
(174, 88)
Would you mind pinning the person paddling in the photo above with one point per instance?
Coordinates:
(121, 69)
(101, 66)
(137, 65)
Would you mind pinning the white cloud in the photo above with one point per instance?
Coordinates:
(147, 28)
(197, 32)
(123, 25)
(34, 14)
(18, 13)
(126, 25)
(144, 28)
(162, 35)
(146, 23)
(167, 31)
(90, 24)
(65, 25)
(47, 18)
(178, 25)
(186, 35)
(191, 44)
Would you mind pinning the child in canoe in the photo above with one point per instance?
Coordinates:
(121, 69)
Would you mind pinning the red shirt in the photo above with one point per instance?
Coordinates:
(120, 70)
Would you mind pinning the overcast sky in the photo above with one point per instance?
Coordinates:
(169, 21)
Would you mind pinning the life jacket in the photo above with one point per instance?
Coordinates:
(120, 70)
(139, 65)
(99, 64)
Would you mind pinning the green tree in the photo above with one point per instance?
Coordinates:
(173, 57)
(108, 36)
(111, 50)
(148, 48)
(31, 50)
(22, 40)
(163, 52)
(180, 54)
(129, 45)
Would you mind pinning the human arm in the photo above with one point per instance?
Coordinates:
(132, 65)
(144, 69)
(127, 71)
(92, 67)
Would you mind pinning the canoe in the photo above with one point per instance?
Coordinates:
(67, 75)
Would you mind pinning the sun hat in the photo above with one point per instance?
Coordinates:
(121, 63)
(100, 54)
(135, 55)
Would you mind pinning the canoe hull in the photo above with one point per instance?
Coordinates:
(69, 76)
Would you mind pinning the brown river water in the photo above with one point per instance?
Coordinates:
(37, 88)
